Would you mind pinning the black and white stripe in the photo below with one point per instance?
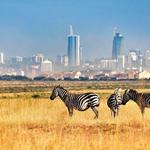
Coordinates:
(80, 102)
(141, 99)
(114, 101)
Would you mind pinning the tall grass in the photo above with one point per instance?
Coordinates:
(37, 123)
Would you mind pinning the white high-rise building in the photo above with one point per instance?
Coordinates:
(133, 59)
(121, 63)
(65, 60)
(147, 58)
(108, 64)
(16, 60)
(1, 58)
(46, 67)
(38, 58)
(81, 55)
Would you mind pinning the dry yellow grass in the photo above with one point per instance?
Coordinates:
(41, 124)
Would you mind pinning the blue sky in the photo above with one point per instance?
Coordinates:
(31, 26)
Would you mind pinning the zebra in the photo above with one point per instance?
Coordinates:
(114, 101)
(141, 99)
(80, 102)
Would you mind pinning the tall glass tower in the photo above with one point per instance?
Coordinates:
(117, 49)
(73, 48)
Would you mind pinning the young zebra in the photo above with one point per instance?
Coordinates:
(80, 102)
(141, 99)
(114, 101)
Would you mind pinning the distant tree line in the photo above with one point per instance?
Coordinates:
(44, 78)
(14, 78)
(24, 78)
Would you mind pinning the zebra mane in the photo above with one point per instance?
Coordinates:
(132, 91)
(60, 87)
(133, 94)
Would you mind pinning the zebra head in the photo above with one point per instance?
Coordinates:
(118, 91)
(55, 93)
(126, 96)
(129, 94)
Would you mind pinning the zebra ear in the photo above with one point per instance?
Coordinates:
(116, 90)
(119, 89)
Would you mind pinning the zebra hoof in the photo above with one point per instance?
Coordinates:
(96, 117)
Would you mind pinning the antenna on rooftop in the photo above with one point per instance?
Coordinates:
(115, 31)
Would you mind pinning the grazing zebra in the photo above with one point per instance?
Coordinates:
(114, 101)
(80, 102)
(141, 99)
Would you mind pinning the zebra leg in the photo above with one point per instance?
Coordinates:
(111, 112)
(142, 110)
(117, 111)
(114, 112)
(70, 110)
(95, 111)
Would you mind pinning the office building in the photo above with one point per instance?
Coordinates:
(147, 59)
(117, 49)
(46, 67)
(108, 64)
(37, 59)
(73, 49)
(16, 60)
(59, 60)
(1, 58)
(65, 60)
(121, 63)
(134, 59)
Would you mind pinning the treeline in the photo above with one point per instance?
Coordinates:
(24, 78)
(14, 78)
(44, 78)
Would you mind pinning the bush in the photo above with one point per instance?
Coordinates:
(35, 96)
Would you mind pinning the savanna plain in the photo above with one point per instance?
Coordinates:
(29, 120)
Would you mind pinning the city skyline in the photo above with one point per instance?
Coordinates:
(37, 27)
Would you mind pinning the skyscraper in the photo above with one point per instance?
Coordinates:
(65, 60)
(38, 58)
(147, 59)
(46, 66)
(81, 55)
(73, 48)
(134, 59)
(117, 49)
(1, 58)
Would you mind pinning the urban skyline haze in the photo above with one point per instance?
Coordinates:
(29, 27)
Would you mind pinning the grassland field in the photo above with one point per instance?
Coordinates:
(30, 121)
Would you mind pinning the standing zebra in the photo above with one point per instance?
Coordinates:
(80, 102)
(141, 99)
(114, 101)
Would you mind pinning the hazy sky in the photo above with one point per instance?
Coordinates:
(31, 26)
